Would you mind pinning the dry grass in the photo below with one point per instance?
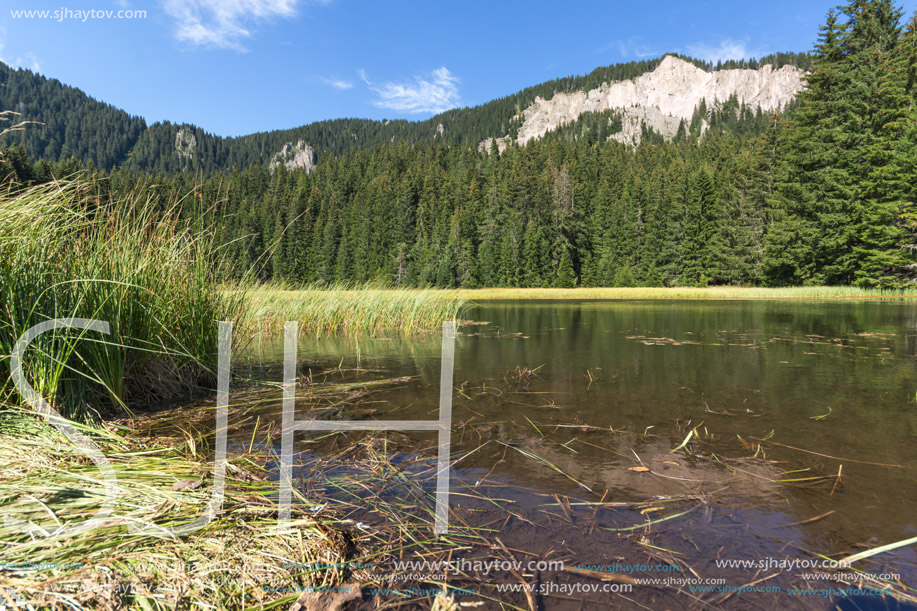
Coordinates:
(237, 561)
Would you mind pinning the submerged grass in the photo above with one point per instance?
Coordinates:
(326, 310)
(714, 292)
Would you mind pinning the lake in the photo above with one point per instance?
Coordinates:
(802, 423)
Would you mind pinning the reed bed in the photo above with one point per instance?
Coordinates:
(347, 309)
(714, 292)
(65, 253)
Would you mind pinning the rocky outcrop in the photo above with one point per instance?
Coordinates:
(661, 99)
(486, 144)
(185, 143)
(294, 156)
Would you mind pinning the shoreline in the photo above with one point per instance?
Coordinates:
(158, 486)
(724, 293)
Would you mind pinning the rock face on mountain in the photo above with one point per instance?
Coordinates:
(661, 99)
(185, 143)
(292, 156)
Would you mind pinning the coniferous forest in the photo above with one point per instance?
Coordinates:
(822, 193)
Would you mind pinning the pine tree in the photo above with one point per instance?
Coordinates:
(887, 187)
(844, 185)
(812, 182)
(566, 277)
(705, 251)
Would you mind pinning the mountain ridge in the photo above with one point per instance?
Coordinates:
(104, 136)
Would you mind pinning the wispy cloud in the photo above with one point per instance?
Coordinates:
(629, 48)
(338, 83)
(433, 93)
(30, 60)
(727, 49)
(224, 24)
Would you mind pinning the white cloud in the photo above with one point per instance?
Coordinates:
(223, 23)
(2, 43)
(727, 49)
(338, 83)
(33, 64)
(30, 60)
(630, 48)
(433, 93)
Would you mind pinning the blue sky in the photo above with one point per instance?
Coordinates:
(238, 66)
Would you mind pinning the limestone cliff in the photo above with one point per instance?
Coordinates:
(661, 99)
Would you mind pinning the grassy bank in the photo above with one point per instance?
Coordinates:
(716, 292)
(155, 279)
(349, 310)
(371, 310)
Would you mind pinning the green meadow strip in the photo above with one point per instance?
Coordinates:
(687, 292)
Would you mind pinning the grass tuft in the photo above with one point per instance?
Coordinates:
(149, 274)
(237, 561)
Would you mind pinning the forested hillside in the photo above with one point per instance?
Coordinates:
(74, 125)
(554, 213)
(821, 194)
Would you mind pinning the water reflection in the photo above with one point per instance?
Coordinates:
(588, 386)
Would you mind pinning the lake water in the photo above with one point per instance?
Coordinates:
(568, 412)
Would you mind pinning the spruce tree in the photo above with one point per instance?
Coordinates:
(812, 184)
(843, 186)
(705, 251)
(566, 277)
(887, 187)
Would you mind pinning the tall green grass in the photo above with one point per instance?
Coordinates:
(351, 310)
(151, 276)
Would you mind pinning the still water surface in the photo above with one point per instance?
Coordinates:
(594, 388)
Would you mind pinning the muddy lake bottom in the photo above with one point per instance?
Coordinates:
(613, 454)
